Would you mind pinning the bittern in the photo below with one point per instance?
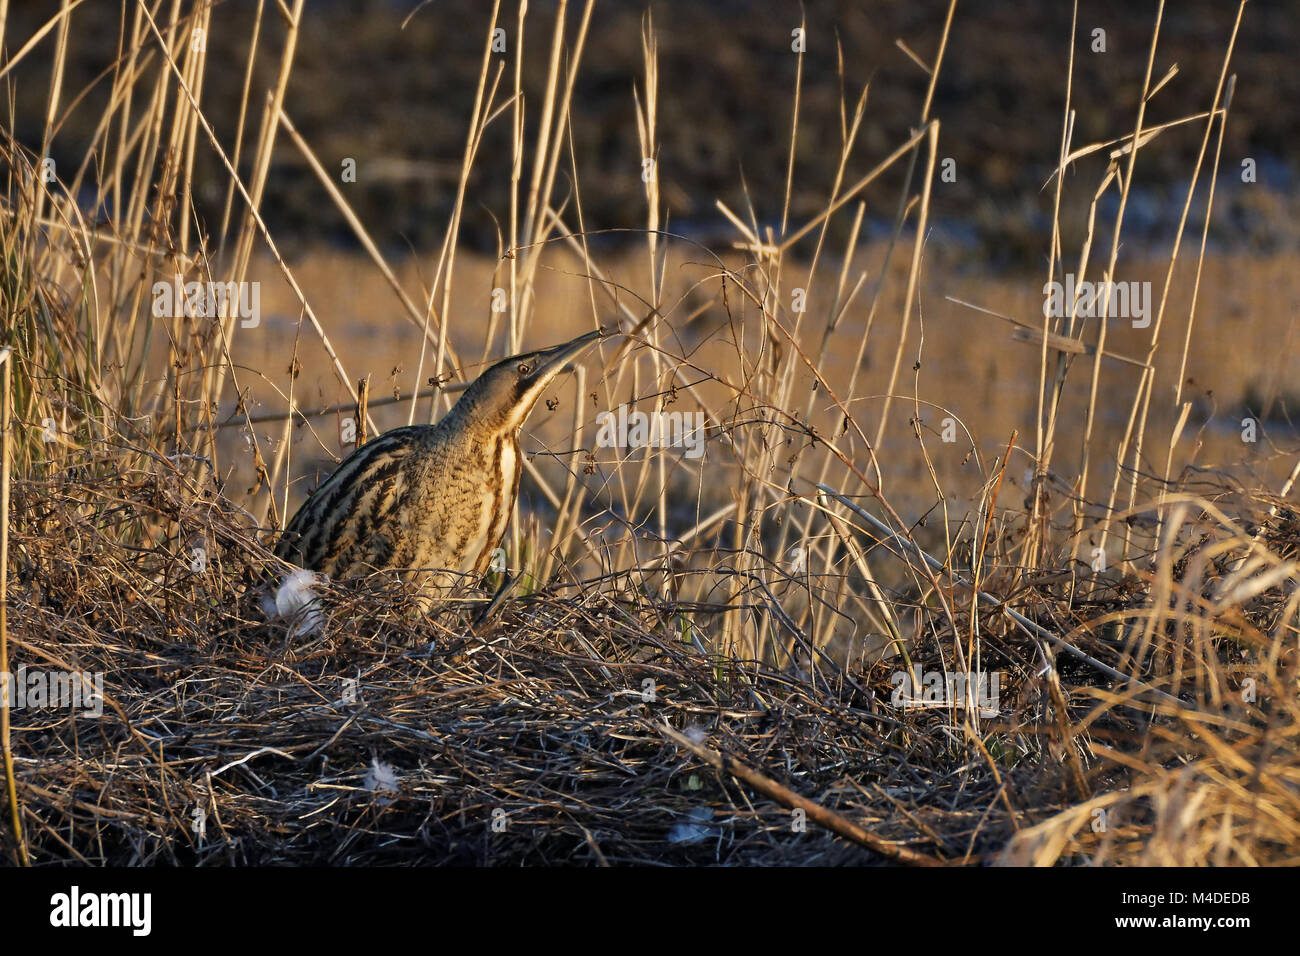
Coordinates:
(430, 502)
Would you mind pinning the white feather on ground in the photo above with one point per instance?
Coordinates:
(381, 778)
(296, 601)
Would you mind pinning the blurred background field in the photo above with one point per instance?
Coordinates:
(395, 90)
(1247, 363)
(813, 257)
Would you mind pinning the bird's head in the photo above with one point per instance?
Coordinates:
(505, 394)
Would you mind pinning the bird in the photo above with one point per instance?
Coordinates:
(430, 503)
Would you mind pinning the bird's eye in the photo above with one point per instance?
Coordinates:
(525, 368)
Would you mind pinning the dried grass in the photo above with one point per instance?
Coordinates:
(552, 715)
(664, 684)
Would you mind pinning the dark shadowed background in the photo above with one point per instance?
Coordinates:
(397, 100)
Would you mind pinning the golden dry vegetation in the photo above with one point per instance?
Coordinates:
(685, 650)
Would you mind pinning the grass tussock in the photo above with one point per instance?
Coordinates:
(696, 660)
(543, 735)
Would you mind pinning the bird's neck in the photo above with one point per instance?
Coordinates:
(482, 424)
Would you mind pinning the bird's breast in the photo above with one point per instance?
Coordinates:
(503, 467)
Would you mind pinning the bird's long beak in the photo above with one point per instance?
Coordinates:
(547, 366)
(552, 361)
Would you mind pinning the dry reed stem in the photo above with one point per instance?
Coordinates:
(539, 708)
